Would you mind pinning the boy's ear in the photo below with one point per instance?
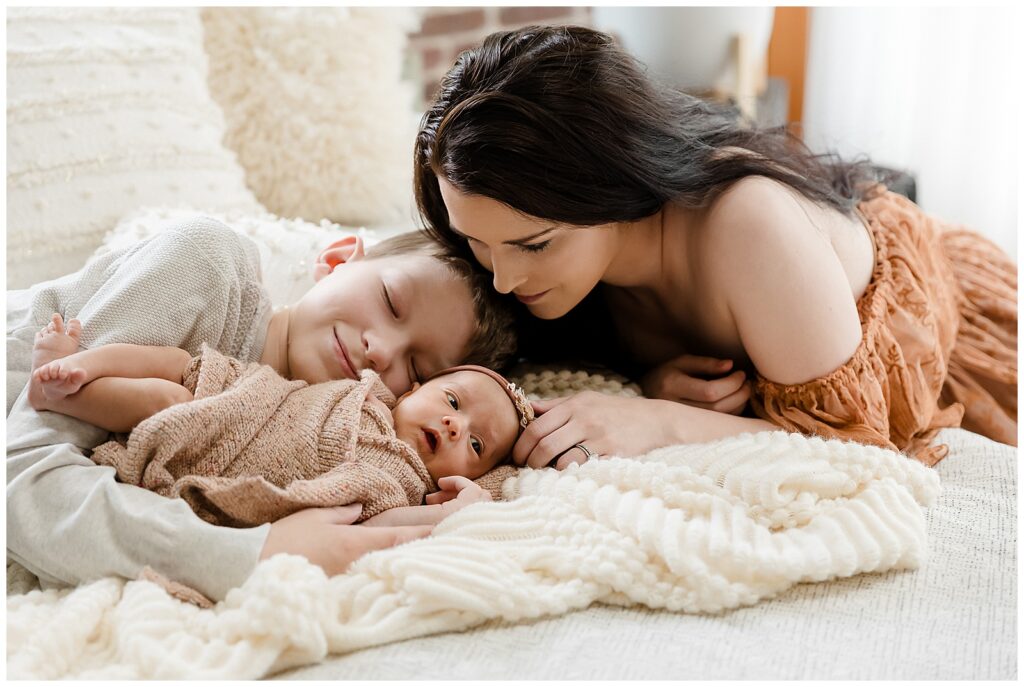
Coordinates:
(338, 253)
(415, 385)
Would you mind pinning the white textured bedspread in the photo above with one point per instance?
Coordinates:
(695, 529)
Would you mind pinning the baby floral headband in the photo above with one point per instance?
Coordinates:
(517, 395)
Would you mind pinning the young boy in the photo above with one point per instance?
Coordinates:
(69, 521)
(254, 447)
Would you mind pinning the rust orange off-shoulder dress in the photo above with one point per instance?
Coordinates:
(939, 345)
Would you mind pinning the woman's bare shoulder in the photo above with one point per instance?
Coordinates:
(783, 282)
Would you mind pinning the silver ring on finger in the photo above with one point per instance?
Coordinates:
(586, 451)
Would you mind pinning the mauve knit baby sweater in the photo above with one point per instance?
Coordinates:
(254, 447)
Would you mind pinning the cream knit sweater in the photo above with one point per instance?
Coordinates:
(253, 447)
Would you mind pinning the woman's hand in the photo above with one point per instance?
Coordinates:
(676, 380)
(605, 425)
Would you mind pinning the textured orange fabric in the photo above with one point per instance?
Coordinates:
(939, 322)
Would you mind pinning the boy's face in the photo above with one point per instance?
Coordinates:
(403, 316)
(461, 423)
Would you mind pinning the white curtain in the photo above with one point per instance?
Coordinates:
(933, 91)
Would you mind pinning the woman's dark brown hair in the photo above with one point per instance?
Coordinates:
(563, 124)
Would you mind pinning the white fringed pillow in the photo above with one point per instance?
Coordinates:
(316, 108)
(107, 110)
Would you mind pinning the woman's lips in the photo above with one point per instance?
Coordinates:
(347, 368)
(532, 298)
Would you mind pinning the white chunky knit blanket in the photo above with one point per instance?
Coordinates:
(697, 528)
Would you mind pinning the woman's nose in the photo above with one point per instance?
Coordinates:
(506, 277)
(452, 426)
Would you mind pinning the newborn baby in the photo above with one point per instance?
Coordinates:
(244, 446)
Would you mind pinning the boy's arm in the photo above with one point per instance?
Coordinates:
(69, 521)
(408, 515)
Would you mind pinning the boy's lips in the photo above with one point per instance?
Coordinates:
(341, 353)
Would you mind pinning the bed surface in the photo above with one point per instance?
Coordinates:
(955, 618)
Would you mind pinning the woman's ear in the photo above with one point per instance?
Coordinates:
(338, 253)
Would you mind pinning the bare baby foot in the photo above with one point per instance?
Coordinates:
(54, 375)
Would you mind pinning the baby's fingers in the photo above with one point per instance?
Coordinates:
(454, 482)
(440, 497)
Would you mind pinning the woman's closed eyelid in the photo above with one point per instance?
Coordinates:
(534, 247)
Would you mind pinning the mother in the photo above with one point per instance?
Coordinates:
(569, 174)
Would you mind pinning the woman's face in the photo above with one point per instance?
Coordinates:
(550, 267)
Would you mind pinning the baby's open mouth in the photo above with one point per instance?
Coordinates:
(431, 437)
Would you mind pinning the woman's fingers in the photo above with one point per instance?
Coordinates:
(541, 427)
(696, 391)
(541, 407)
(573, 455)
(732, 404)
(701, 365)
(555, 445)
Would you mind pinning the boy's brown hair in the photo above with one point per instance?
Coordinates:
(494, 339)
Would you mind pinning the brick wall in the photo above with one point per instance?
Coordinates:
(447, 31)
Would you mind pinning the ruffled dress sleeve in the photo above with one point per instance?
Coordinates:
(889, 392)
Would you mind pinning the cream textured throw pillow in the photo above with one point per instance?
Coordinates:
(316, 107)
(107, 110)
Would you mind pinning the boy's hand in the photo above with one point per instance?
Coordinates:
(456, 493)
(327, 537)
(677, 380)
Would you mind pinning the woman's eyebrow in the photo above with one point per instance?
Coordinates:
(508, 243)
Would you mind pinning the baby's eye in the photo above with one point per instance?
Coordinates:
(477, 446)
(453, 402)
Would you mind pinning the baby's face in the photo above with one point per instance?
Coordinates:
(461, 423)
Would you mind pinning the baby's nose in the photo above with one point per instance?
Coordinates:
(452, 425)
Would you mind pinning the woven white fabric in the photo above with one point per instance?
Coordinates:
(316, 107)
(696, 528)
(107, 110)
(955, 618)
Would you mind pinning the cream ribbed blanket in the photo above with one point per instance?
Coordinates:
(695, 529)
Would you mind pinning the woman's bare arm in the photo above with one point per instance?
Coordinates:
(786, 288)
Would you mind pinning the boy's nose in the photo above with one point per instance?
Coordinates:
(452, 426)
(379, 352)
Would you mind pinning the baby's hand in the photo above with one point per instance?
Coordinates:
(456, 493)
